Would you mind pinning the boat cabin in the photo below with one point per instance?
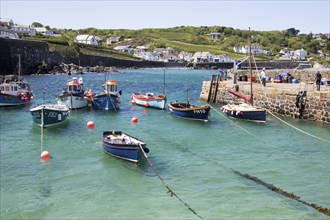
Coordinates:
(14, 88)
(75, 86)
(110, 86)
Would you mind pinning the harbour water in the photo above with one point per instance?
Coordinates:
(195, 159)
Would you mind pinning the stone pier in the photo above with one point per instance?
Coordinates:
(278, 98)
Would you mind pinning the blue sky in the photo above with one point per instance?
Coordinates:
(304, 15)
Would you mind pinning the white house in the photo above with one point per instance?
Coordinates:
(40, 30)
(7, 22)
(22, 29)
(255, 49)
(202, 57)
(87, 39)
(183, 55)
(300, 54)
(215, 35)
(124, 49)
(111, 40)
(6, 33)
(223, 59)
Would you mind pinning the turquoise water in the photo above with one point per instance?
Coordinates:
(195, 159)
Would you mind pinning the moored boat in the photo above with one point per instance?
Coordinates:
(15, 93)
(246, 110)
(47, 115)
(15, 90)
(149, 100)
(188, 111)
(109, 98)
(123, 145)
(73, 97)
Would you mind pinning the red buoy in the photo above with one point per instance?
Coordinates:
(135, 120)
(146, 104)
(90, 124)
(133, 102)
(45, 155)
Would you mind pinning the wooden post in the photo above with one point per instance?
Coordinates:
(216, 88)
(210, 90)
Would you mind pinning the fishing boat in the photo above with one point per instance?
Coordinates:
(15, 90)
(149, 99)
(109, 98)
(47, 115)
(245, 110)
(123, 145)
(188, 111)
(74, 95)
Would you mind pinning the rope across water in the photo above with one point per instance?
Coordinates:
(319, 208)
(167, 187)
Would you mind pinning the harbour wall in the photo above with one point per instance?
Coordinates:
(278, 98)
(37, 59)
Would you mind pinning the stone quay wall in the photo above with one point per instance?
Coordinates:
(279, 98)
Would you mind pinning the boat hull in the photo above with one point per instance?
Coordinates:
(245, 112)
(10, 100)
(50, 114)
(158, 102)
(73, 101)
(106, 102)
(131, 152)
(190, 112)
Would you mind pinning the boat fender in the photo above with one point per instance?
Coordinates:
(146, 149)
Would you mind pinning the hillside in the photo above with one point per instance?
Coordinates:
(194, 39)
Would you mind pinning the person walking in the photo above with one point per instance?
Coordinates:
(263, 77)
(318, 80)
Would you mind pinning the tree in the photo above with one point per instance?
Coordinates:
(291, 32)
(37, 24)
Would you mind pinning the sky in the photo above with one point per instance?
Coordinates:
(307, 16)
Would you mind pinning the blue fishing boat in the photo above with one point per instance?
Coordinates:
(109, 98)
(188, 111)
(49, 114)
(15, 90)
(122, 145)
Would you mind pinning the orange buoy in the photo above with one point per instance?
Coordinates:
(45, 155)
(135, 120)
(146, 104)
(90, 124)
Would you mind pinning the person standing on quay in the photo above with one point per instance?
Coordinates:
(263, 77)
(318, 80)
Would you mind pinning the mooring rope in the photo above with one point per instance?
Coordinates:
(319, 208)
(236, 124)
(273, 188)
(278, 117)
(297, 128)
(167, 187)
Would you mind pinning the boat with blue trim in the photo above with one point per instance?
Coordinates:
(109, 98)
(188, 111)
(15, 90)
(123, 145)
(246, 110)
(149, 100)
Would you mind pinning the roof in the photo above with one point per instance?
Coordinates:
(84, 37)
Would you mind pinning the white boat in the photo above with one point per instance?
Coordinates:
(74, 96)
(149, 100)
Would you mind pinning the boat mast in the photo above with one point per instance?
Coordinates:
(19, 67)
(164, 85)
(250, 66)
